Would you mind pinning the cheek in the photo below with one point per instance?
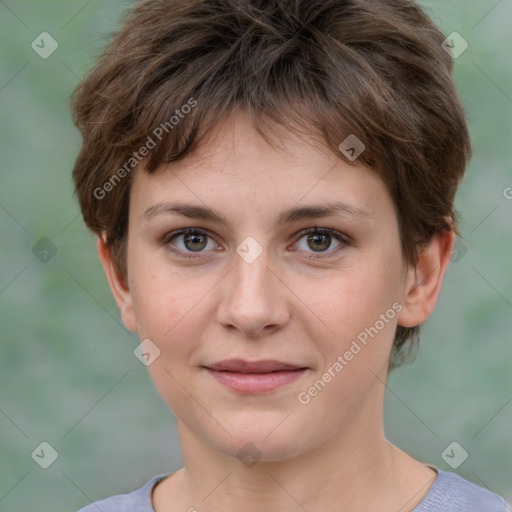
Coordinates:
(165, 305)
(349, 311)
(169, 312)
(160, 295)
(354, 349)
(351, 302)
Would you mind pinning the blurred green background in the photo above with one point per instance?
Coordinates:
(68, 375)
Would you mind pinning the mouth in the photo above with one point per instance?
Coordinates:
(255, 377)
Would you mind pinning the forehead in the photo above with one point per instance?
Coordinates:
(236, 170)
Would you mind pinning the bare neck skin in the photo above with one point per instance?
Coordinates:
(357, 469)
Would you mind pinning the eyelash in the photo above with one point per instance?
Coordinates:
(343, 239)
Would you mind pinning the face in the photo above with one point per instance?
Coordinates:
(272, 283)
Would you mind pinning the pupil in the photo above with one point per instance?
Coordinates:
(195, 239)
(323, 240)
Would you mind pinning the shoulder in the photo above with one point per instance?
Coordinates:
(452, 493)
(135, 501)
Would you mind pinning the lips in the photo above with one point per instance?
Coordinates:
(254, 377)
(263, 366)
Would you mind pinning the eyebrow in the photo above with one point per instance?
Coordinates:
(296, 214)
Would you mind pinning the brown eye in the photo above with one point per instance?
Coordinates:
(195, 241)
(320, 241)
(188, 241)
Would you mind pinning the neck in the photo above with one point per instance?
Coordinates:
(309, 481)
(357, 469)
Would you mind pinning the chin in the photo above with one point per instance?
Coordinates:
(261, 438)
(257, 450)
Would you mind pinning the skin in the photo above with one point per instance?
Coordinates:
(330, 454)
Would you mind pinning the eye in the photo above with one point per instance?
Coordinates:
(319, 240)
(194, 242)
(188, 241)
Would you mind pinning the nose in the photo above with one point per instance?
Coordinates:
(253, 298)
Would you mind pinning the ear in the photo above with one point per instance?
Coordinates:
(119, 289)
(424, 280)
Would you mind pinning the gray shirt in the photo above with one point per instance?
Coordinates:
(449, 493)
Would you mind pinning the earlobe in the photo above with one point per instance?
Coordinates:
(119, 288)
(424, 280)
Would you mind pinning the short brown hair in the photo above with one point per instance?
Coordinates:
(373, 69)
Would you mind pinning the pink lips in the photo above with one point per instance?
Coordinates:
(254, 377)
